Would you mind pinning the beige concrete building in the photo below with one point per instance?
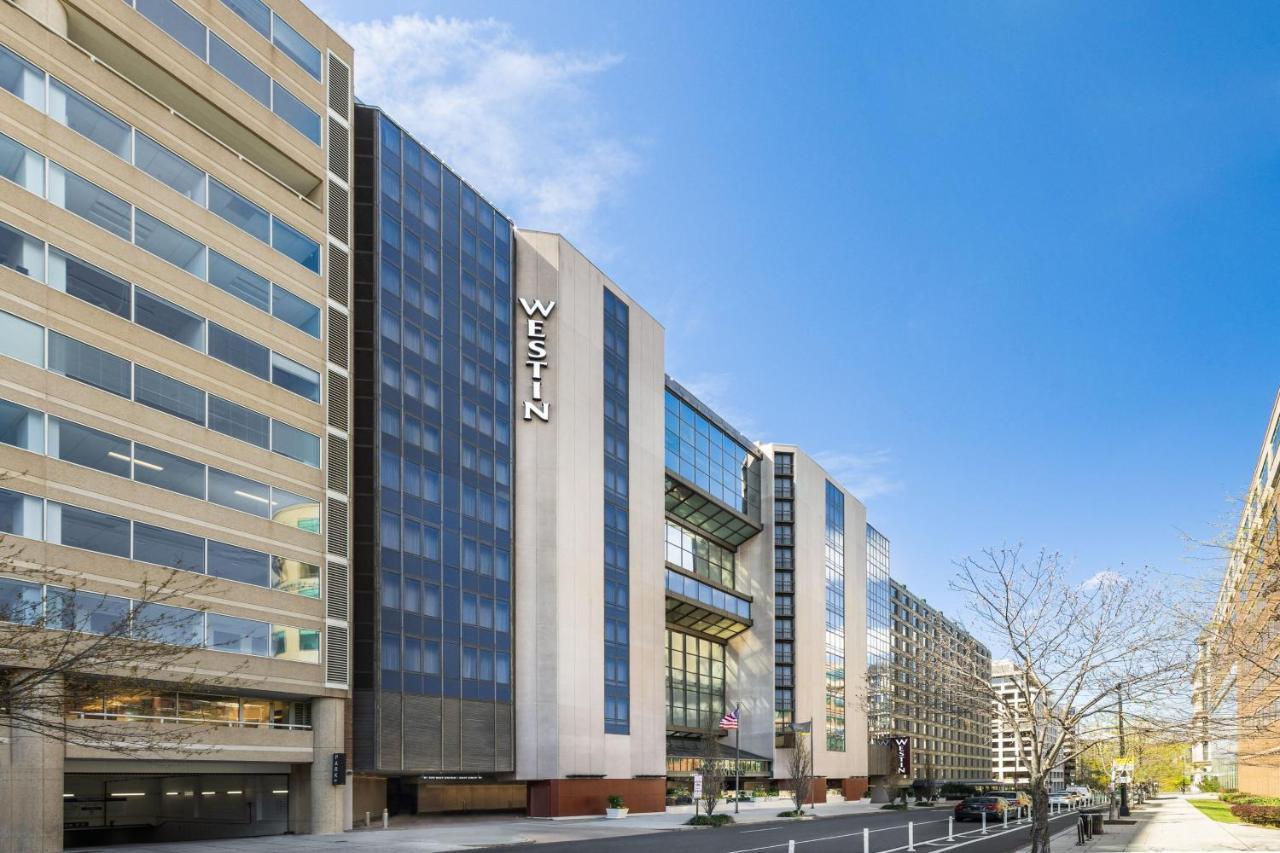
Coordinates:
(818, 531)
(174, 294)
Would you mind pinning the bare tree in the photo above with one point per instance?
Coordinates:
(800, 768)
(1078, 649)
(62, 644)
(713, 773)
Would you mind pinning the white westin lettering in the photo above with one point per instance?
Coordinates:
(536, 355)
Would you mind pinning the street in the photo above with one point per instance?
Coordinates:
(887, 832)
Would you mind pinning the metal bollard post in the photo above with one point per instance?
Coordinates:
(951, 828)
(384, 818)
(911, 835)
(984, 823)
(366, 820)
(866, 840)
(791, 846)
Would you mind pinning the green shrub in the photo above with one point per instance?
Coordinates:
(901, 807)
(710, 820)
(1210, 784)
(615, 802)
(1263, 815)
(1248, 799)
(792, 813)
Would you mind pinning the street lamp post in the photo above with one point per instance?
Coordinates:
(1124, 785)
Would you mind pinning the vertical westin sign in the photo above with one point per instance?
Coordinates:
(536, 355)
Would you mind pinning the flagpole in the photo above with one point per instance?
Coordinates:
(737, 758)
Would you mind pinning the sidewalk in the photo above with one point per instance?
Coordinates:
(1170, 823)
(441, 833)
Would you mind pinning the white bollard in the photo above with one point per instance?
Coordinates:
(911, 835)
(984, 823)
(366, 820)
(1006, 817)
(791, 846)
(384, 818)
(951, 828)
(866, 840)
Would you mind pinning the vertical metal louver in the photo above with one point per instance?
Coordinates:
(339, 150)
(339, 212)
(337, 467)
(339, 407)
(337, 580)
(336, 530)
(337, 665)
(339, 276)
(339, 340)
(339, 87)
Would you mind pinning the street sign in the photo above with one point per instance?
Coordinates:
(1122, 770)
(697, 786)
(338, 768)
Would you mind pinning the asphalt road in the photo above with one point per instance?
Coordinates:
(888, 833)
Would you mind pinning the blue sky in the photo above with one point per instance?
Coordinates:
(1009, 268)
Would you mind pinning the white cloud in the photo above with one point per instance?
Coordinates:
(521, 125)
(1106, 576)
(864, 474)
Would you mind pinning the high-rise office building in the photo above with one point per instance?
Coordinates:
(433, 687)
(174, 294)
(1020, 699)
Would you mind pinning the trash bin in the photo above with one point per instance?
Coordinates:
(1095, 822)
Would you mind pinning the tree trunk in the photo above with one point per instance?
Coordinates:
(1039, 817)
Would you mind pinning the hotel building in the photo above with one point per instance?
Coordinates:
(174, 295)
(922, 680)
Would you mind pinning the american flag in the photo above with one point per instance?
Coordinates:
(729, 720)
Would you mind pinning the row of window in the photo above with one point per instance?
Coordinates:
(411, 654)
(230, 63)
(96, 613)
(87, 200)
(30, 342)
(69, 441)
(243, 711)
(692, 588)
(710, 458)
(697, 554)
(78, 278)
(89, 530)
(277, 31)
(103, 128)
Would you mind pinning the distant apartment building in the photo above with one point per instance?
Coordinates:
(1010, 744)
(1236, 693)
(174, 398)
(921, 686)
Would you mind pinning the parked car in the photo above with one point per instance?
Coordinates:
(1017, 799)
(973, 808)
(1063, 799)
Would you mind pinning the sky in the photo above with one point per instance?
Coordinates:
(1007, 268)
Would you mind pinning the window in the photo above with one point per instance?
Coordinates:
(21, 339)
(161, 315)
(81, 445)
(167, 395)
(21, 252)
(168, 168)
(295, 576)
(166, 471)
(300, 644)
(239, 211)
(238, 422)
(295, 510)
(20, 602)
(170, 244)
(87, 612)
(390, 651)
(76, 527)
(21, 78)
(291, 243)
(85, 281)
(256, 13)
(87, 364)
(231, 634)
(240, 493)
(294, 443)
(171, 18)
(21, 515)
(296, 47)
(89, 201)
(20, 164)
(238, 351)
(228, 62)
(164, 623)
(168, 548)
(239, 564)
(295, 311)
(241, 283)
(89, 120)
(291, 376)
(300, 117)
(21, 427)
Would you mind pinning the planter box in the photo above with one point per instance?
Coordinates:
(615, 814)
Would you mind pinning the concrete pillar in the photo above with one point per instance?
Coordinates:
(31, 787)
(327, 801)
